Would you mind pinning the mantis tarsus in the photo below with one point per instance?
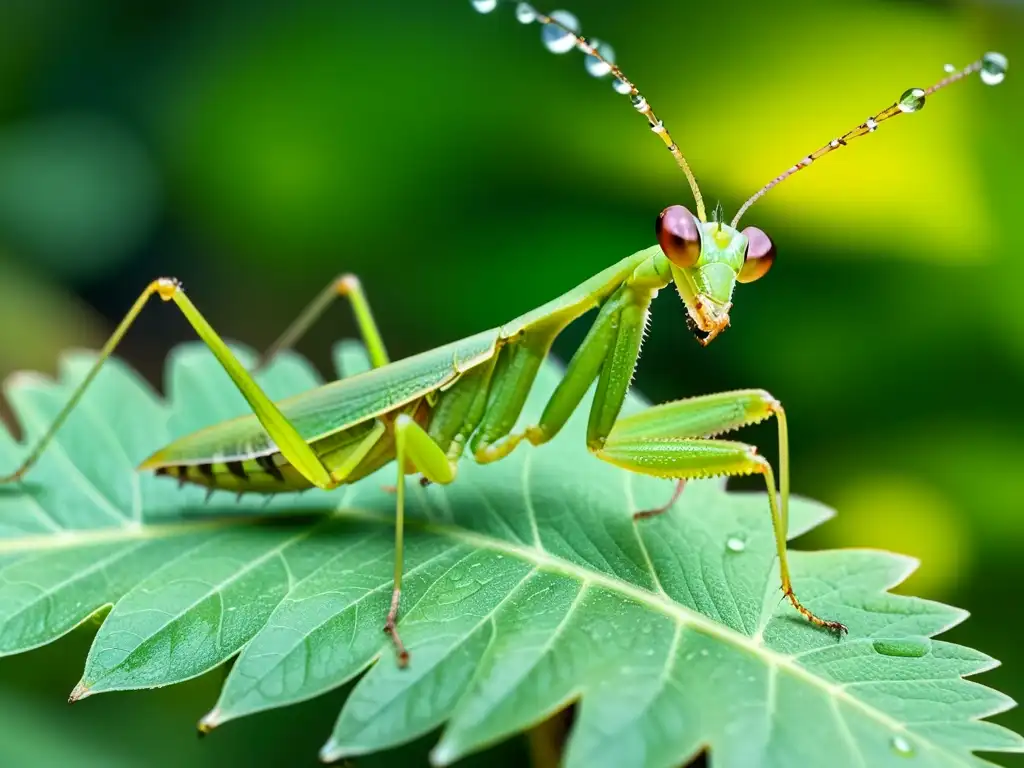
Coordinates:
(424, 411)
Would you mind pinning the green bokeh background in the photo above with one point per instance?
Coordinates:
(255, 149)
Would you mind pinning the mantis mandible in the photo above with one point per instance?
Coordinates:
(423, 412)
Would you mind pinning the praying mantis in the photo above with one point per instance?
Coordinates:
(423, 412)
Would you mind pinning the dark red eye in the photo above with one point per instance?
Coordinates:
(679, 236)
(759, 258)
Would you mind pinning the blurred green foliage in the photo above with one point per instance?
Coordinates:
(257, 148)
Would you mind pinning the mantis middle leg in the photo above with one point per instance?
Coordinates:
(416, 450)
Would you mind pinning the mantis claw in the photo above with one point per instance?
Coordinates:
(835, 627)
(647, 513)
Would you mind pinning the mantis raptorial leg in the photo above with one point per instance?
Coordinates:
(669, 440)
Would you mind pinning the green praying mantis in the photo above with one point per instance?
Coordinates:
(423, 412)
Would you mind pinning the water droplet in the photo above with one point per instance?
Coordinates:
(621, 87)
(871, 124)
(901, 746)
(908, 647)
(594, 65)
(639, 102)
(911, 100)
(735, 544)
(526, 13)
(703, 651)
(948, 68)
(689, 656)
(484, 6)
(993, 68)
(555, 38)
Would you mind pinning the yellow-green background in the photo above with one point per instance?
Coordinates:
(256, 149)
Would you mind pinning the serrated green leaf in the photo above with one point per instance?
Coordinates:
(528, 587)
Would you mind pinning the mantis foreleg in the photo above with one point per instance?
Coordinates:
(343, 286)
(610, 349)
(668, 440)
(281, 431)
(671, 440)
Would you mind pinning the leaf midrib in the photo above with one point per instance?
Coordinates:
(217, 589)
(541, 560)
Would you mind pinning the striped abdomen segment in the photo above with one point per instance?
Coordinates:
(263, 474)
(272, 473)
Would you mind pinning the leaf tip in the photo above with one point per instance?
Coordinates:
(331, 751)
(443, 754)
(80, 692)
(208, 722)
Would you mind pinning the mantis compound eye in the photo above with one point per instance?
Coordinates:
(759, 257)
(679, 236)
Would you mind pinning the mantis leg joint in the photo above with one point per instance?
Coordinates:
(347, 284)
(166, 287)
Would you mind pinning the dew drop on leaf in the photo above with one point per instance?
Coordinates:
(484, 6)
(735, 544)
(901, 746)
(904, 647)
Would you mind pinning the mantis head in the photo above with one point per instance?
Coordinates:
(708, 259)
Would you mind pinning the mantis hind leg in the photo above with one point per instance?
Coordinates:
(415, 450)
(344, 286)
(288, 440)
(669, 441)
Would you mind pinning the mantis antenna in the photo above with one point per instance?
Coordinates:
(561, 35)
(992, 67)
